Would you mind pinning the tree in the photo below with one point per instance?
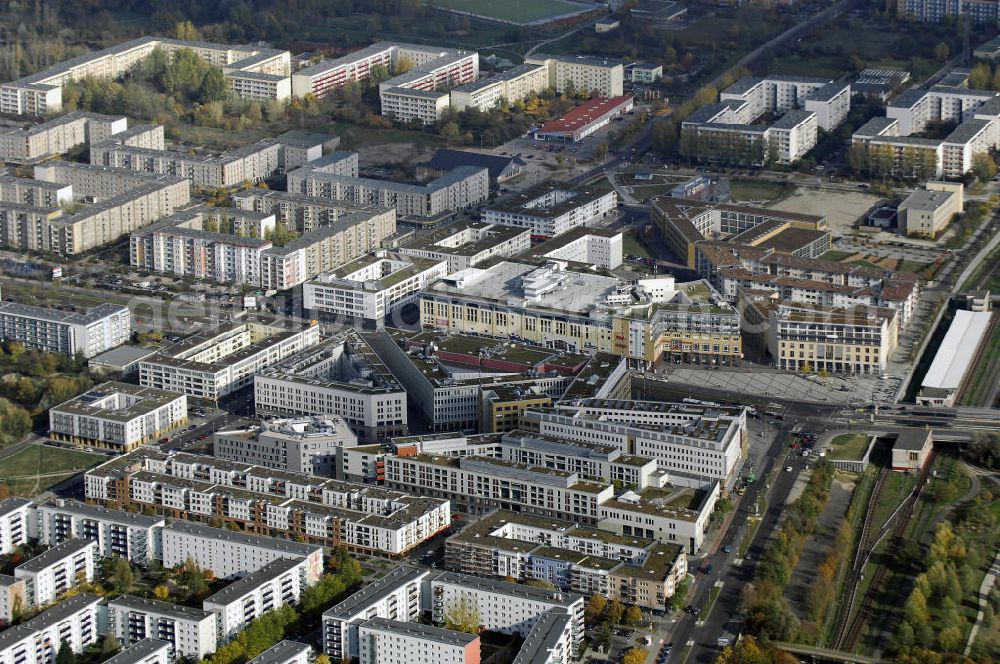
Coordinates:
(540, 583)
(601, 151)
(450, 131)
(633, 615)
(193, 578)
(161, 592)
(186, 30)
(983, 167)
(110, 645)
(595, 608)
(322, 658)
(941, 52)
(213, 86)
(462, 616)
(65, 654)
(635, 656)
(615, 612)
(122, 576)
(403, 64)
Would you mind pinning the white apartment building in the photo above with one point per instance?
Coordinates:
(468, 243)
(383, 641)
(36, 193)
(794, 134)
(286, 505)
(55, 331)
(285, 652)
(41, 93)
(550, 641)
(307, 445)
(309, 213)
(372, 287)
(395, 596)
(343, 378)
(211, 364)
(582, 73)
(13, 598)
(551, 209)
(146, 651)
(57, 136)
(37, 641)
(190, 632)
(118, 416)
(15, 523)
(408, 104)
(116, 532)
(508, 608)
(590, 246)
(277, 583)
(464, 187)
(56, 570)
(509, 86)
(229, 553)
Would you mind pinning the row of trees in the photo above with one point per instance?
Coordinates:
(882, 161)
(984, 77)
(768, 613)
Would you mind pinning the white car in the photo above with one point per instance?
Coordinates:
(788, 469)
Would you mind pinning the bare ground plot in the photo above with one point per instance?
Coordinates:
(394, 154)
(841, 208)
(818, 546)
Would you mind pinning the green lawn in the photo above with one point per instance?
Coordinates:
(849, 446)
(749, 190)
(21, 470)
(517, 11)
(913, 267)
(835, 255)
(632, 245)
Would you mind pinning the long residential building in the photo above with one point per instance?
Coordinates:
(285, 652)
(508, 86)
(343, 377)
(371, 287)
(467, 243)
(265, 501)
(383, 641)
(35, 193)
(462, 188)
(552, 209)
(146, 651)
(53, 572)
(73, 621)
(117, 416)
(250, 71)
(309, 445)
(57, 136)
(277, 583)
(575, 558)
(190, 632)
(581, 73)
(935, 11)
(135, 537)
(213, 363)
(55, 331)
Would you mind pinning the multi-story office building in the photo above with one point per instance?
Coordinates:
(589, 561)
(552, 209)
(230, 554)
(57, 136)
(271, 502)
(383, 641)
(582, 73)
(211, 364)
(343, 377)
(190, 632)
(503, 607)
(117, 532)
(54, 331)
(117, 416)
(309, 445)
(371, 287)
(277, 583)
(463, 188)
(395, 596)
(511, 85)
(252, 71)
(146, 651)
(53, 572)
(73, 621)
(15, 516)
(468, 243)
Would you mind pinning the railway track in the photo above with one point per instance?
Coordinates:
(894, 528)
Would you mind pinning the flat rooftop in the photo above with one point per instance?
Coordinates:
(121, 402)
(957, 349)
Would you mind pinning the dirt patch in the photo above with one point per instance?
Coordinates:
(818, 546)
(841, 208)
(393, 154)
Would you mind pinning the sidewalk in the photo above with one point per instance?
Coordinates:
(984, 593)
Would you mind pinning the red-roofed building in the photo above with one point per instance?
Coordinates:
(585, 119)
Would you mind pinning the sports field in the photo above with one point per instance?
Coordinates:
(515, 11)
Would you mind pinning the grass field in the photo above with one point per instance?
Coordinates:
(632, 245)
(21, 470)
(748, 190)
(516, 11)
(849, 446)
